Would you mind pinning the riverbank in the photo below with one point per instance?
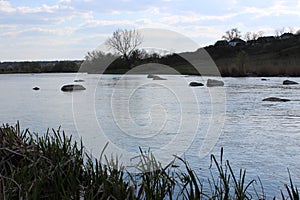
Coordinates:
(53, 166)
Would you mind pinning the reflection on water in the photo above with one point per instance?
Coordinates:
(134, 111)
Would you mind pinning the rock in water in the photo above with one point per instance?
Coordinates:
(158, 78)
(194, 84)
(288, 82)
(276, 99)
(78, 80)
(155, 77)
(150, 76)
(214, 83)
(72, 87)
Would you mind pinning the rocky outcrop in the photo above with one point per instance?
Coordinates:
(275, 99)
(288, 82)
(214, 83)
(195, 84)
(72, 87)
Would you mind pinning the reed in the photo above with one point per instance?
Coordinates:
(53, 166)
(292, 190)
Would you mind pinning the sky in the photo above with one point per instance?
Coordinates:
(68, 29)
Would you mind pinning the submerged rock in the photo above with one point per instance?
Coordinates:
(155, 77)
(275, 99)
(72, 87)
(195, 84)
(36, 88)
(78, 80)
(158, 78)
(288, 82)
(214, 83)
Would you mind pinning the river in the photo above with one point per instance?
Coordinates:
(169, 117)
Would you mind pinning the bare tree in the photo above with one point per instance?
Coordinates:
(279, 32)
(253, 36)
(231, 34)
(248, 36)
(291, 29)
(260, 34)
(124, 42)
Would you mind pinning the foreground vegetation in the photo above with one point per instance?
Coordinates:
(53, 166)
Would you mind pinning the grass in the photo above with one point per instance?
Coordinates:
(53, 166)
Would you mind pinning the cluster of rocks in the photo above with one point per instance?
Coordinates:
(217, 83)
(209, 83)
(68, 87)
(277, 99)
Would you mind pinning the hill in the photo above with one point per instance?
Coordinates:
(266, 56)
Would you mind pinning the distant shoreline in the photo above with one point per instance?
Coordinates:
(264, 57)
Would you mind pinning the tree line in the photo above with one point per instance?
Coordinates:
(236, 33)
(40, 67)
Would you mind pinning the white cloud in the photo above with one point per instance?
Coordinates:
(192, 18)
(25, 9)
(10, 33)
(43, 8)
(278, 8)
(38, 31)
(6, 7)
(7, 26)
(96, 23)
(59, 32)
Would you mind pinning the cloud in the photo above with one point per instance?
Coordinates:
(191, 18)
(278, 8)
(6, 7)
(87, 23)
(38, 32)
(95, 23)
(43, 8)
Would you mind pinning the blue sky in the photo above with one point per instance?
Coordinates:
(68, 29)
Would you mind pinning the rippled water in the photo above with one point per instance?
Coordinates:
(168, 116)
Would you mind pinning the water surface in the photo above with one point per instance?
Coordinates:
(134, 111)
